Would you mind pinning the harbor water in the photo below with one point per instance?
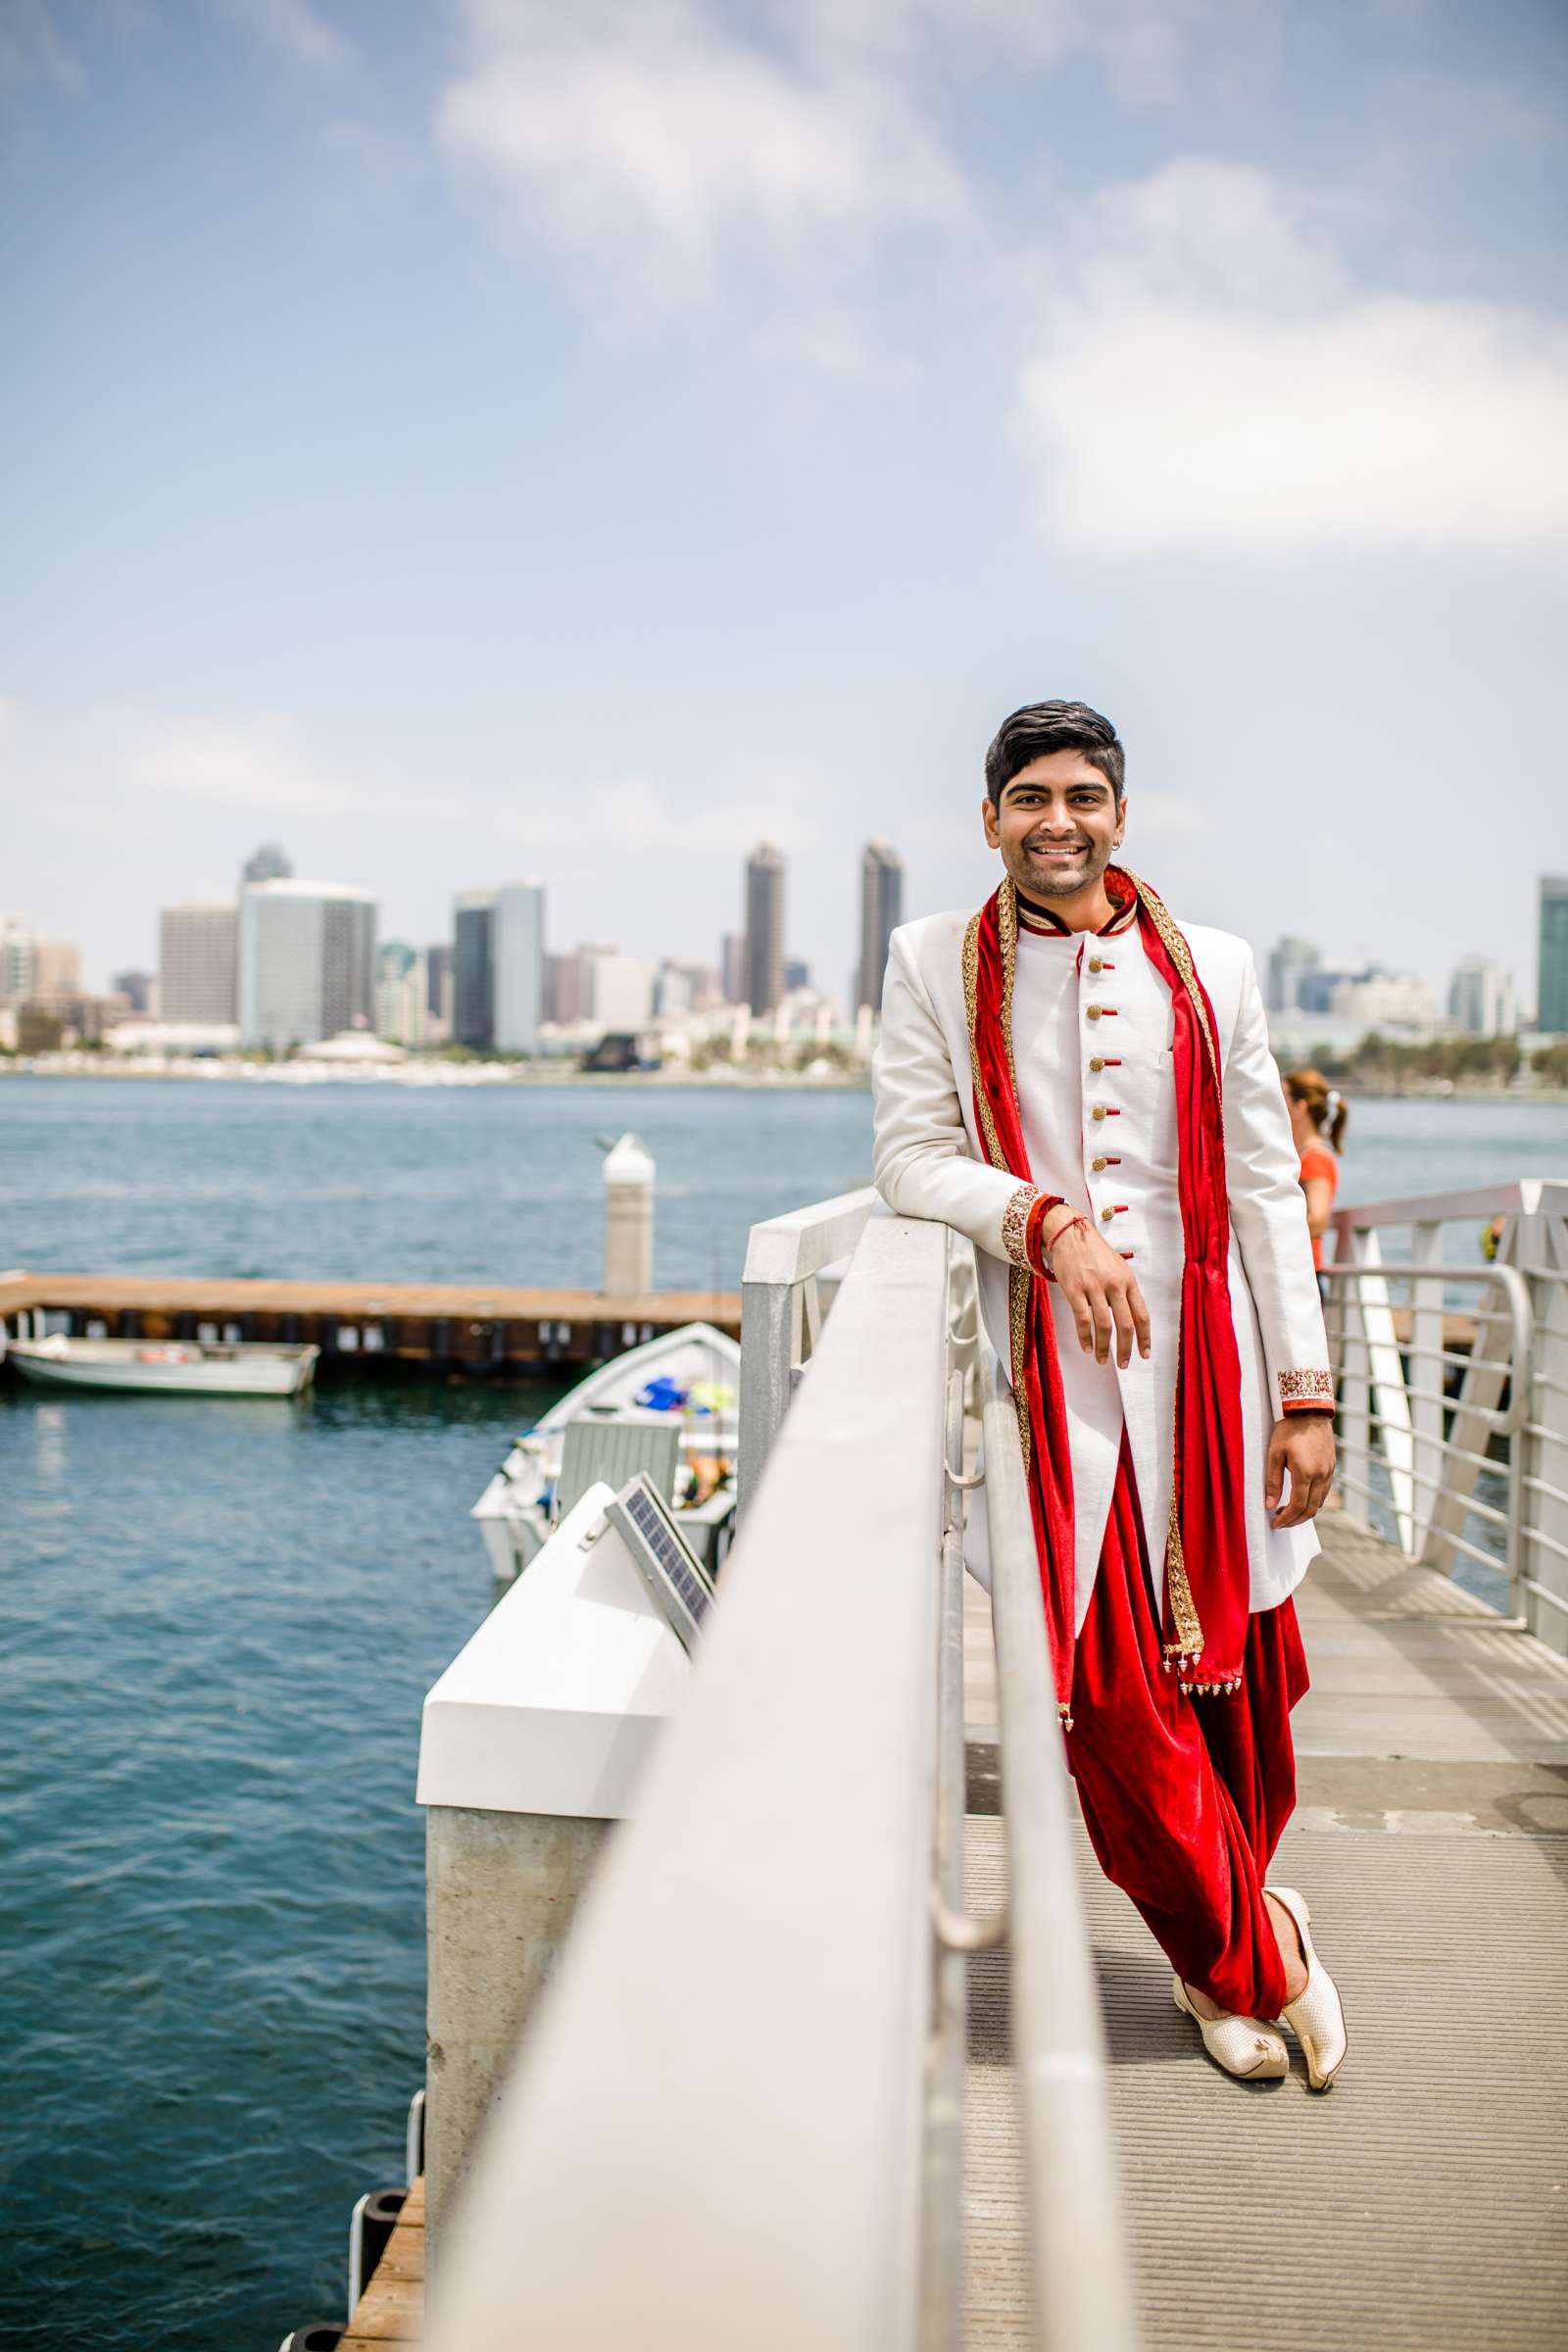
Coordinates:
(222, 1617)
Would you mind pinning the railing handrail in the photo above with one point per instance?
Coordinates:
(1523, 1196)
(801, 1243)
(714, 2134)
(1080, 2268)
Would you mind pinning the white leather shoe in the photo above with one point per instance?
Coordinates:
(1243, 2045)
(1316, 2017)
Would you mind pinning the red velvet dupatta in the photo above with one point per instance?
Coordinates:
(1206, 1579)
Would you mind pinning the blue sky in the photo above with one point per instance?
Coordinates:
(485, 438)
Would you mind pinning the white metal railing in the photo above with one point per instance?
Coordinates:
(1453, 1382)
(782, 1306)
(738, 2115)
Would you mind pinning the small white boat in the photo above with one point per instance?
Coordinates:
(245, 1368)
(693, 1371)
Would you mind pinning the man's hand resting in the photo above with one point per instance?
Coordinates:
(1099, 1286)
(1304, 1445)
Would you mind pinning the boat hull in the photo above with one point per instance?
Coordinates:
(266, 1374)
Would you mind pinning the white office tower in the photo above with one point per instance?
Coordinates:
(306, 963)
(517, 952)
(620, 991)
(1482, 999)
(196, 948)
(402, 994)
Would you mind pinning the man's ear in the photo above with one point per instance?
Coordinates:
(988, 813)
(1121, 823)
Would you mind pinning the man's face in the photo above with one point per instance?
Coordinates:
(1057, 825)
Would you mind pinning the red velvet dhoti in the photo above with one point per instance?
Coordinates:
(1185, 1799)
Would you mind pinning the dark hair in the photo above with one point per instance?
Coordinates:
(1325, 1107)
(1042, 727)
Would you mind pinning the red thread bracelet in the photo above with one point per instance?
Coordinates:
(1067, 1228)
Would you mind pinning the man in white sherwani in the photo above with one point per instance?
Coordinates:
(1085, 1088)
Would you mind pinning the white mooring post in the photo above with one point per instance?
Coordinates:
(628, 1220)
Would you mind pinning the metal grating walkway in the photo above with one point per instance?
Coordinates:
(1423, 2203)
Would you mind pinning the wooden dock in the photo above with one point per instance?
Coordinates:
(389, 2315)
(479, 1332)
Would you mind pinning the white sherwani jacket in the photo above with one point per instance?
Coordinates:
(1093, 1034)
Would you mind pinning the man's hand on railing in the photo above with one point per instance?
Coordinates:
(1304, 1445)
(1099, 1286)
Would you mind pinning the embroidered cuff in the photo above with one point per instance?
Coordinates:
(1306, 1392)
(1016, 1223)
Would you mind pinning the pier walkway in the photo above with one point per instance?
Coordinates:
(1424, 2201)
(851, 2047)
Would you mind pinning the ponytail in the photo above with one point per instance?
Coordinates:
(1324, 1105)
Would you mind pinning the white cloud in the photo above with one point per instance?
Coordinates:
(1212, 381)
(648, 145)
(294, 29)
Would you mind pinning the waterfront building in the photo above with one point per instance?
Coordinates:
(1380, 1000)
(518, 965)
(473, 998)
(620, 991)
(306, 962)
(16, 960)
(881, 912)
(56, 971)
(732, 966)
(1290, 960)
(269, 863)
(762, 971)
(796, 973)
(684, 987)
(1482, 999)
(438, 993)
(139, 990)
(196, 952)
(1552, 993)
(402, 994)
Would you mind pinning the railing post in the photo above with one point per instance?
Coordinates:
(1356, 1385)
(1426, 1358)
(770, 1317)
(1536, 1244)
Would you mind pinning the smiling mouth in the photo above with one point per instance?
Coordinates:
(1047, 849)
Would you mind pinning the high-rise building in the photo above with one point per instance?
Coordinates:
(16, 944)
(763, 975)
(620, 991)
(796, 973)
(269, 863)
(1482, 999)
(56, 971)
(402, 991)
(438, 984)
(1380, 1000)
(306, 962)
(518, 964)
(1551, 991)
(139, 990)
(473, 988)
(881, 912)
(196, 950)
(1288, 963)
(732, 966)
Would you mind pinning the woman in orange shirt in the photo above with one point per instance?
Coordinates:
(1318, 1116)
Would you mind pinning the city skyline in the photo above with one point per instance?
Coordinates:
(495, 979)
(458, 489)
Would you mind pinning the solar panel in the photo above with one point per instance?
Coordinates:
(667, 1566)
